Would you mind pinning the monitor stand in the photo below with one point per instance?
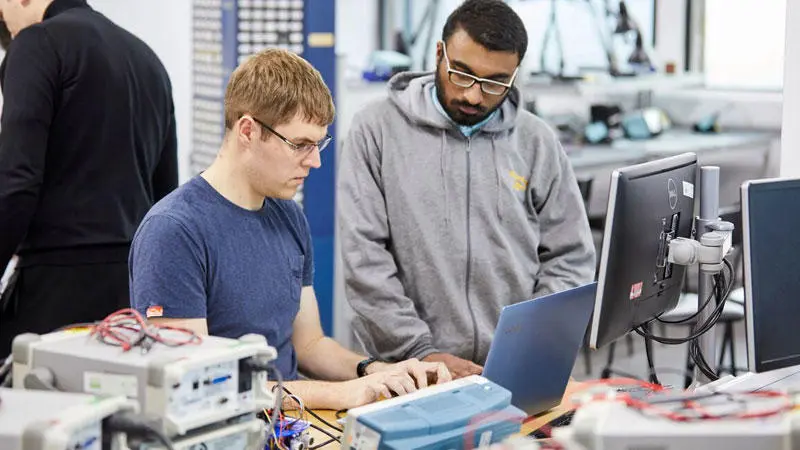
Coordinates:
(707, 250)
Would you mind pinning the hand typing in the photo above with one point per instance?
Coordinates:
(458, 367)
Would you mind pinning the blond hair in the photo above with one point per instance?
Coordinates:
(274, 86)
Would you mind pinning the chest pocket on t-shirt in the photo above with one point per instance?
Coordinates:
(296, 268)
(296, 279)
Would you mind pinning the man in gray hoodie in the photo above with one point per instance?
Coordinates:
(454, 201)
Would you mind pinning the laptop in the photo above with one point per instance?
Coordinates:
(535, 346)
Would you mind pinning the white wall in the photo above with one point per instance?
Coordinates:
(790, 142)
(356, 33)
(671, 32)
(732, 29)
(166, 26)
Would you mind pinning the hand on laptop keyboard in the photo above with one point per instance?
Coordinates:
(458, 367)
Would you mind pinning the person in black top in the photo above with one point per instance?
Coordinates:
(5, 36)
(87, 145)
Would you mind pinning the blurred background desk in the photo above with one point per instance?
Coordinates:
(741, 155)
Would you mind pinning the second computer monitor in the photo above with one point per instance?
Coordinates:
(649, 205)
(771, 219)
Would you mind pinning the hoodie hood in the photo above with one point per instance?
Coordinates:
(409, 91)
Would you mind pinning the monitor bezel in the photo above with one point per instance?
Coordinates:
(754, 364)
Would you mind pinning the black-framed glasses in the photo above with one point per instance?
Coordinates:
(465, 80)
(302, 149)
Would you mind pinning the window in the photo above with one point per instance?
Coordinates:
(744, 44)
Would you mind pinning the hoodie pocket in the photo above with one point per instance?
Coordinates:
(514, 192)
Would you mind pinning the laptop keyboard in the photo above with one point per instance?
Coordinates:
(544, 431)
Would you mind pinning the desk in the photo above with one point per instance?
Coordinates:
(740, 154)
(603, 84)
(527, 427)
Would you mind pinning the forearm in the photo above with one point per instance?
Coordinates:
(326, 359)
(314, 394)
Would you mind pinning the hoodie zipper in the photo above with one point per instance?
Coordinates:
(469, 258)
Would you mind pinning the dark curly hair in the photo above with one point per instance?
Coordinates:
(490, 23)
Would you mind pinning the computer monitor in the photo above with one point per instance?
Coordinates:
(771, 247)
(649, 204)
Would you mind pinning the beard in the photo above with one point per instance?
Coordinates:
(452, 106)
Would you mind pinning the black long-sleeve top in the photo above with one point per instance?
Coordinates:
(87, 137)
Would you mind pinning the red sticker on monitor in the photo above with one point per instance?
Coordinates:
(636, 290)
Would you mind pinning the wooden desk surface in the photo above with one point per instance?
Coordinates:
(527, 427)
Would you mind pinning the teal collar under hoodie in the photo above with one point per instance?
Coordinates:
(468, 130)
(440, 231)
(411, 93)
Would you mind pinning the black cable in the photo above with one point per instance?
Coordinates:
(702, 329)
(323, 431)
(317, 416)
(721, 289)
(648, 350)
(5, 372)
(328, 442)
(700, 361)
(721, 295)
(136, 426)
(730, 267)
(324, 421)
(686, 319)
(670, 370)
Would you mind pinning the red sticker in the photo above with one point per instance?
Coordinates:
(154, 311)
(636, 290)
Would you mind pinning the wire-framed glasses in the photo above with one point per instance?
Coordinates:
(302, 149)
(465, 80)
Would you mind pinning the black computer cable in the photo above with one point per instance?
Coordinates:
(685, 319)
(135, 426)
(662, 370)
(323, 431)
(320, 429)
(648, 350)
(5, 372)
(719, 280)
(721, 295)
(326, 443)
(316, 416)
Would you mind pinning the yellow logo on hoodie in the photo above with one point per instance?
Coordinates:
(520, 182)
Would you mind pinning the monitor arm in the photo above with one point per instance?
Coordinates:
(712, 243)
(708, 252)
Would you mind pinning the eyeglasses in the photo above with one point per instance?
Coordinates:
(466, 80)
(300, 149)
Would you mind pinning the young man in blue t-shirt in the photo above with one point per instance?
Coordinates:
(229, 252)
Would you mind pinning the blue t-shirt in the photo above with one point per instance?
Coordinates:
(197, 255)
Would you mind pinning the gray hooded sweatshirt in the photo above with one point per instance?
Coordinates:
(440, 231)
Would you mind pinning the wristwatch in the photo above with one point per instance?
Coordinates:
(361, 368)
